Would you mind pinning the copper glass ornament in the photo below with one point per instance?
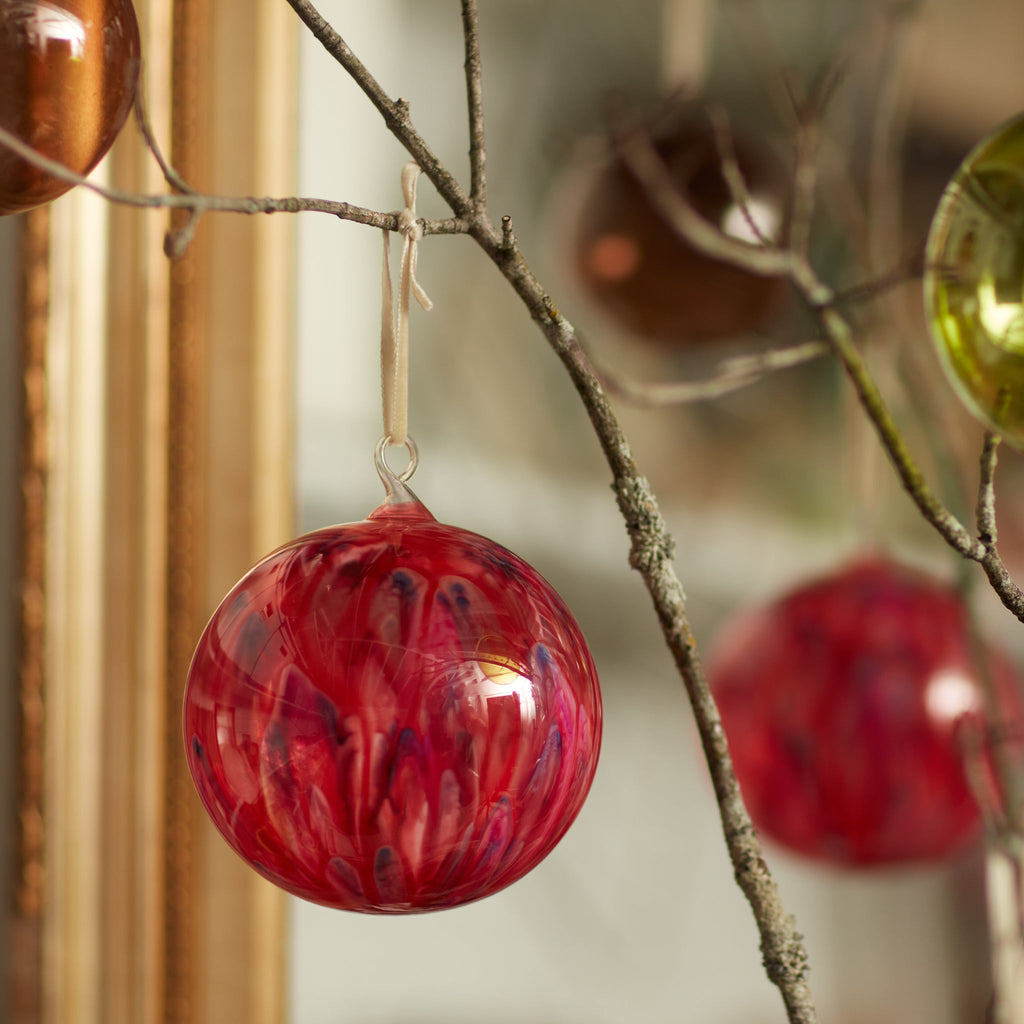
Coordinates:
(649, 280)
(68, 75)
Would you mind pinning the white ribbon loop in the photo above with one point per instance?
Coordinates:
(394, 332)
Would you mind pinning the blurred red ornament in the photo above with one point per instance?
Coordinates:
(68, 75)
(393, 715)
(644, 276)
(849, 705)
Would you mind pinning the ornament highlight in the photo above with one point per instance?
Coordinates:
(393, 715)
(974, 282)
(68, 75)
(851, 705)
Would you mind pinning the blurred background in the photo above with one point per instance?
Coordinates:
(635, 917)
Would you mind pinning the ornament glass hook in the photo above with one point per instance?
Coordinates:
(395, 483)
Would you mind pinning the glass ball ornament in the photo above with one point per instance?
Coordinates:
(393, 715)
(68, 76)
(974, 281)
(650, 281)
(851, 704)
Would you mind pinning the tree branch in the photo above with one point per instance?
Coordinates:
(821, 299)
(651, 555)
(733, 374)
(198, 202)
(708, 239)
(475, 101)
(644, 162)
(998, 576)
(395, 113)
(985, 514)
(171, 175)
(652, 551)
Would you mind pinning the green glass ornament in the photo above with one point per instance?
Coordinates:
(974, 281)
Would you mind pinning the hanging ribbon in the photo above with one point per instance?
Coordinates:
(394, 331)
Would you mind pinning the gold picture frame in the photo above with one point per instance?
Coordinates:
(155, 467)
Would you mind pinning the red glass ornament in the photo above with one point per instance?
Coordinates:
(68, 74)
(393, 715)
(644, 276)
(847, 704)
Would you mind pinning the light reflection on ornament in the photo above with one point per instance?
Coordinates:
(760, 221)
(951, 694)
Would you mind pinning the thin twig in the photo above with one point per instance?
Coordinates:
(934, 511)
(840, 336)
(732, 174)
(394, 112)
(202, 203)
(910, 269)
(1009, 783)
(474, 97)
(1002, 582)
(643, 161)
(985, 513)
(807, 137)
(142, 119)
(733, 374)
(508, 235)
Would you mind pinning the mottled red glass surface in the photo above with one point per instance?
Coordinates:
(68, 73)
(393, 715)
(849, 705)
(646, 277)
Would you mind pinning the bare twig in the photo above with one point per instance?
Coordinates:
(733, 374)
(806, 163)
(508, 235)
(708, 239)
(909, 270)
(837, 329)
(474, 97)
(394, 112)
(643, 160)
(945, 523)
(1009, 593)
(732, 173)
(986, 507)
(201, 203)
(171, 176)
